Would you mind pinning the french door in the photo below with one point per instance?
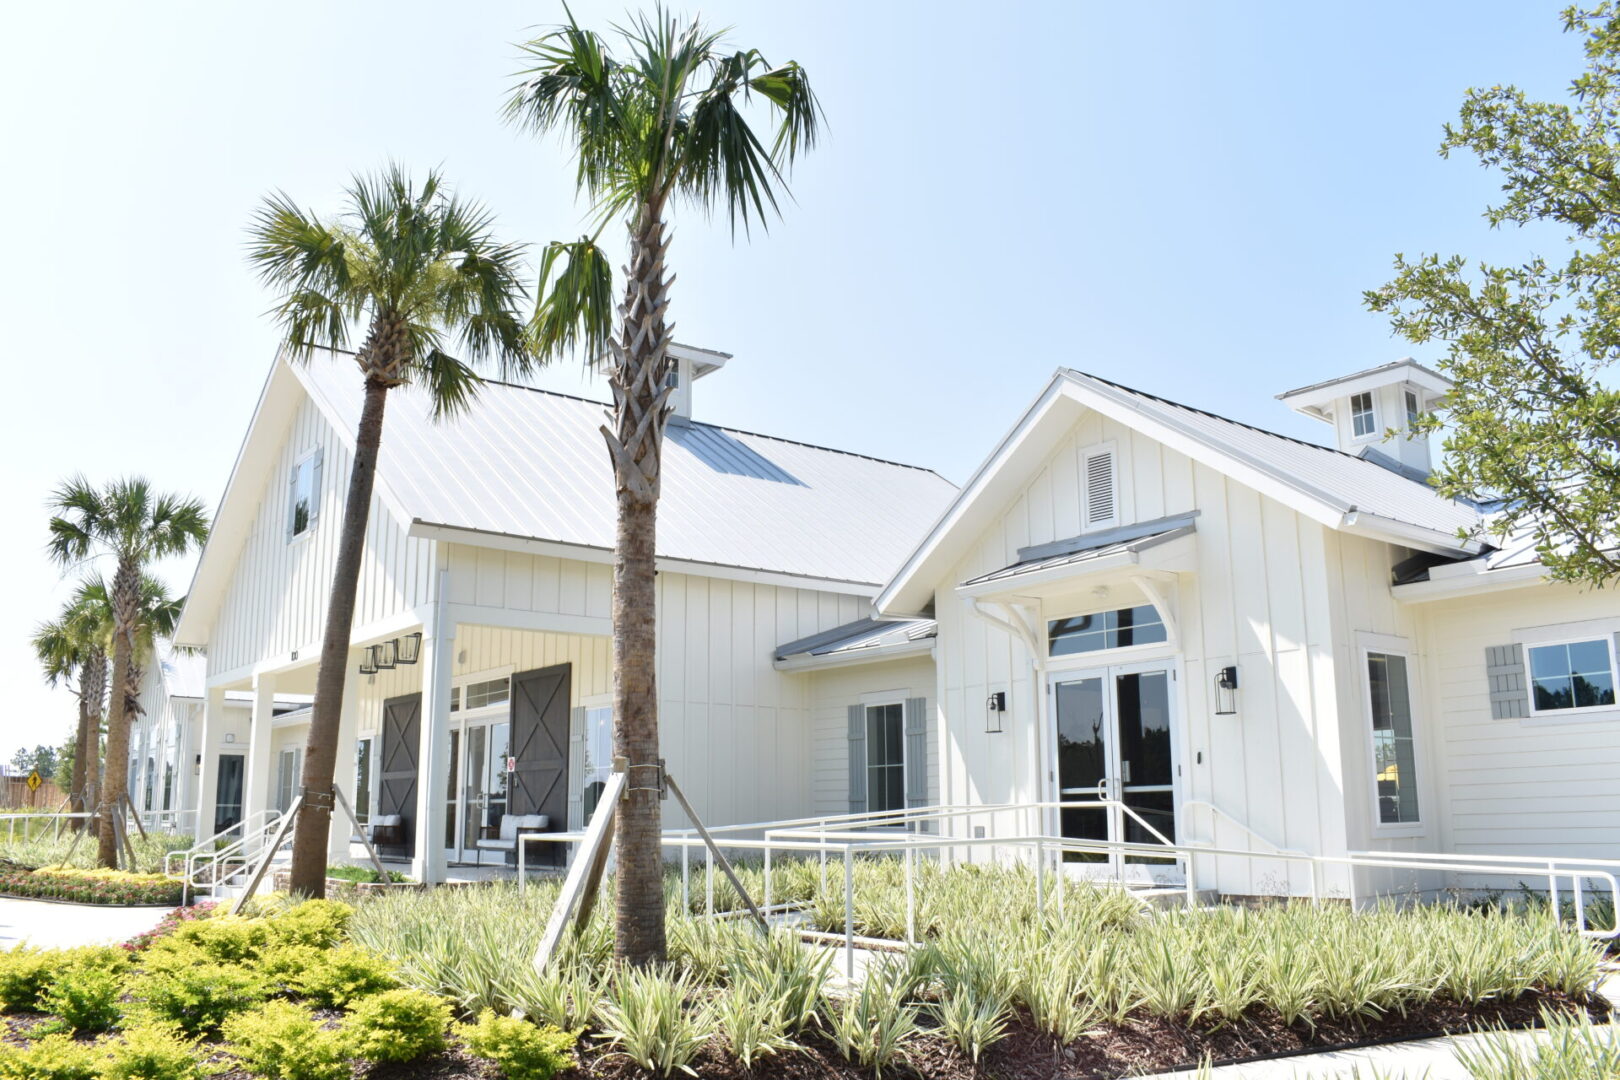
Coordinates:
(1116, 761)
(480, 759)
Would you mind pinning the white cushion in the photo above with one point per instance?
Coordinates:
(384, 821)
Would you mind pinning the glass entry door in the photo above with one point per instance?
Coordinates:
(479, 777)
(1116, 762)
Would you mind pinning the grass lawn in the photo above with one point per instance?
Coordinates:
(47, 850)
(320, 991)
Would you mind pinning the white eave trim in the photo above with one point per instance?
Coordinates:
(1360, 523)
(529, 545)
(851, 657)
(1470, 583)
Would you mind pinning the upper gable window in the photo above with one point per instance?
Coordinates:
(1413, 411)
(304, 494)
(1363, 422)
(1100, 489)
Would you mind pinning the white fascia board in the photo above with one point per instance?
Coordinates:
(588, 553)
(852, 657)
(918, 572)
(1361, 523)
(1314, 397)
(1470, 584)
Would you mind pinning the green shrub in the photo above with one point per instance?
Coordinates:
(151, 1052)
(364, 875)
(871, 1025)
(754, 1026)
(341, 976)
(52, 1057)
(397, 1025)
(648, 1019)
(229, 939)
(523, 1051)
(282, 967)
(24, 972)
(197, 999)
(284, 1042)
(322, 923)
(1571, 1049)
(86, 998)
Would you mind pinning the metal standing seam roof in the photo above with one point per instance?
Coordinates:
(1355, 482)
(531, 463)
(1082, 554)
(858, 635)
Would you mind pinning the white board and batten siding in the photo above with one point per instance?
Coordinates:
(1546, 784)
(1259, 597)
(276, 600)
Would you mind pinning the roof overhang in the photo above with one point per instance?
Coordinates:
(853, 657)
(703, 361)
(1045, 423)
(1171, 551)
(1470, 578)
(1314, 400)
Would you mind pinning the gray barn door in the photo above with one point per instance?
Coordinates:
(540, 745)
(401, 748)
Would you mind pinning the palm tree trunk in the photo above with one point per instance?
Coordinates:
(115, 774)
(77, 798)
(640, 408)
(308, 871)
(92, 744)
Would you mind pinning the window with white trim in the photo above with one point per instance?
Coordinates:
(481, 695)
(304, 494)
(1394, 755)
(886, 757)
(1568, 676)
(288, 774)
(1101, 630)
(1413, 410)
(363, 750)
(598, 756)
(1363, 421)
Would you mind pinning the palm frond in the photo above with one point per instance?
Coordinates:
(451, 384)
(575, 314)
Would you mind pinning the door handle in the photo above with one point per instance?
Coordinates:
(1125, 771)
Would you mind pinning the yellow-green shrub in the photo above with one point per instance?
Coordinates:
(51, 1057)
(225, 938)
(24, 972)
(198, 999)
(322, 923)
(523, 1051)
(397, 1025)
(339, 977)
(86, 998)
(151, 1052)
(284, 1042)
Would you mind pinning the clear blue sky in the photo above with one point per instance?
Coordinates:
(1185, 197)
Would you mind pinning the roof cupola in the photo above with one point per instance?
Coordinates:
(690, 365)
(1364, 407)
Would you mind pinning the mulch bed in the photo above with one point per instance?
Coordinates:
(1140, 1046)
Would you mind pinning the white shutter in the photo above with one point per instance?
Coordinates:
(1101, 495)
(315, 485)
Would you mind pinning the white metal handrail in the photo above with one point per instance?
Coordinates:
(55, 820)
(210, 843)
(242, 851)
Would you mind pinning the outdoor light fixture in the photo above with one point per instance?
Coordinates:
(1226, 684)
(385, 654)
(409, 648)
(368, 662)
(994, 706)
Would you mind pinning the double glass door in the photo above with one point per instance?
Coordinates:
(479, 778)
(1115, 756)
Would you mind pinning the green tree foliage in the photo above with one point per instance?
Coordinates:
(1534, 419)
(41, 758)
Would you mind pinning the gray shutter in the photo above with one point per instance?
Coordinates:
(916, 752)
(315, 485)
(1504, 675)
(857, 759)
(576, 769)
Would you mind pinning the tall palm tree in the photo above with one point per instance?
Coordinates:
(135, 526)
(663, 123)
(412, 265)
(71, 648)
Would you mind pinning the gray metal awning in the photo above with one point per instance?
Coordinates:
(1089, 552)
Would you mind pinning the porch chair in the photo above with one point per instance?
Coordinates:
(504, 837)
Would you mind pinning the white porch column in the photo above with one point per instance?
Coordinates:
(259, 791)
(337, 844)
(207, 785)
(433, 760)
(186, 786)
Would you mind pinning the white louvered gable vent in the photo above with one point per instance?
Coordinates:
(1101, 490)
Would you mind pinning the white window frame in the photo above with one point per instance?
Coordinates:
(1120, 654)
(307, 457)
(1388, 645)
(459, 684)
(1581, 711)
(369, 810)
(1087, 523)
(1372, 411)
(1414, 407)
(889, 697)
(588, 704)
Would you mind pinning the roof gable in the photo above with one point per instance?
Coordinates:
(1336, 489)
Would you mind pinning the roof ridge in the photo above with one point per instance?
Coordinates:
(722, 427)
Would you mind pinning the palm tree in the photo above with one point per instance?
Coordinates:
(71, 648)
(412, 264)
(661, 124)
(136, 526)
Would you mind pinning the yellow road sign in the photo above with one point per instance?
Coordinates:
(34, 780)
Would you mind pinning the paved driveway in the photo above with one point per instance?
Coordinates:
(52, 926)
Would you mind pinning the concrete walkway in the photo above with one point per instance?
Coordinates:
(58, 926)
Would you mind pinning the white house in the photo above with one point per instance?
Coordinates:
(1235, 637)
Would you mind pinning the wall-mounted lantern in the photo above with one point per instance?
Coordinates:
(1226, 684)
(994, 706)
(368, 661)
(386, 654)
(409, 648)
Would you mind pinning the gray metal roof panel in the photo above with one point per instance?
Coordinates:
(860, 634)
(1081, 554)
(531, 463)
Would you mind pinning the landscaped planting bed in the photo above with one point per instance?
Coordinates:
(78, 886)
(1102, 989)
(52, 851)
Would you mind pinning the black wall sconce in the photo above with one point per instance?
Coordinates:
(994, 706)
(1226, 684)
(409, 648)
(384, 654)
(368, 662)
